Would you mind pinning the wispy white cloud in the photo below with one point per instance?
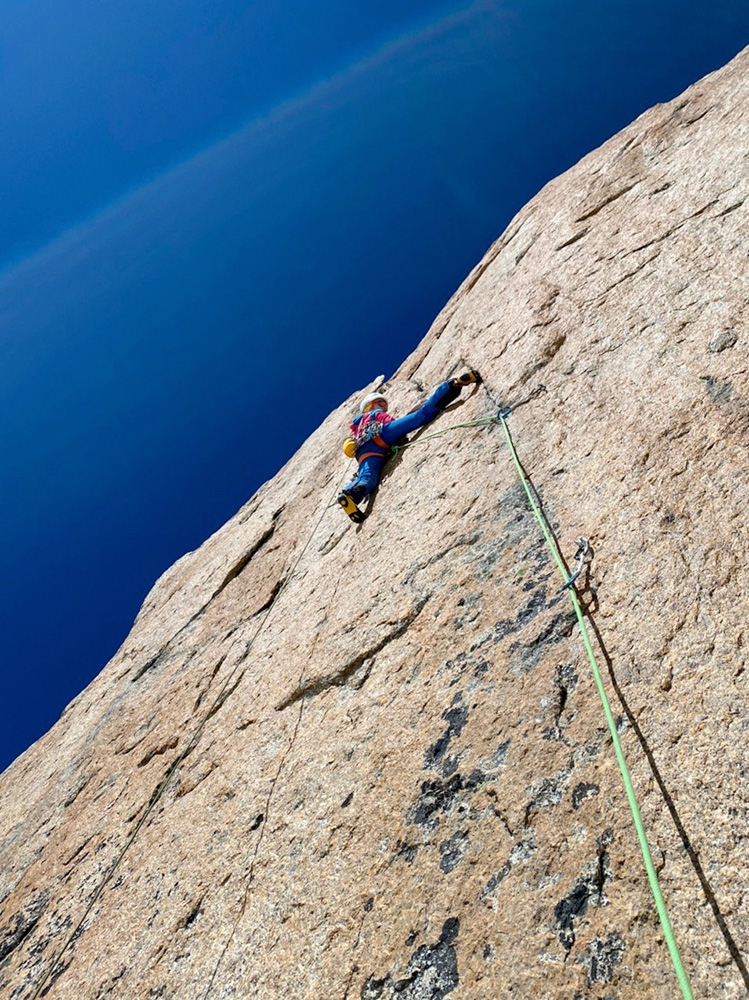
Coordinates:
(322, 92)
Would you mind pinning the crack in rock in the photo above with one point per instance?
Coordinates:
(230, 576)
(607, 201)
(316, 685)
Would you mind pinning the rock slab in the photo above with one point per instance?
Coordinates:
(371, 762)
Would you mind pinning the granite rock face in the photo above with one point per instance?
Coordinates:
(371, 762)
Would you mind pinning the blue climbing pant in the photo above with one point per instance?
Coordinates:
(368, 476)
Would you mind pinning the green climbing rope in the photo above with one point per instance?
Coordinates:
(655, 888)
(481, 422)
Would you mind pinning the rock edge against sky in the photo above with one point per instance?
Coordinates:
(405, 787)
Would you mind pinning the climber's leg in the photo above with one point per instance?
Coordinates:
(442, 396)
(366, 479)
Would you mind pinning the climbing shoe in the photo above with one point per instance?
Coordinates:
(468, 378)
(455, 385)
(356, 515)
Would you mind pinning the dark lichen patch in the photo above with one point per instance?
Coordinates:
(481, 667)
(456, 718)
(518, 527)
(525, 657)
(499, 757)
(548, 791)
(405, 852)
(719, 392)
(534, 606)
(587, 891)
(373, 988)
(431, 973)
(22, 923)
(438, 797)
(470, 609)
(500, 630)
(451, 764)
(488, 892)
(464, 664)
(568, 910)
(602, 957)
(522, 851)
(538, 558)
(452, 851)
(505, 627)
(565, 682)
(582, 792)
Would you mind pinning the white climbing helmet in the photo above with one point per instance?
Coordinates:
(371, 398)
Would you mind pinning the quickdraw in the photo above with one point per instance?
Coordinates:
(583, 548)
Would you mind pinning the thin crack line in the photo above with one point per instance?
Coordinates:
(268, 800)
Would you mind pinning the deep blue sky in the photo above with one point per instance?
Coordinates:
(218, 220)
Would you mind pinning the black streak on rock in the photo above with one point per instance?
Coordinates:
(582, 792)
(456, 719)
(452, 851)
(22, 924)
(589, 889)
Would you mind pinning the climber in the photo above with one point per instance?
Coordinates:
(374, 431)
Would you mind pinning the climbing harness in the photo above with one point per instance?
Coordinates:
(655, 888)
(583, 548)
(368, 429)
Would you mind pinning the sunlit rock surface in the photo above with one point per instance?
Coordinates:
(388, 771)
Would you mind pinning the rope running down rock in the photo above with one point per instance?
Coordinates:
(655, 888)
